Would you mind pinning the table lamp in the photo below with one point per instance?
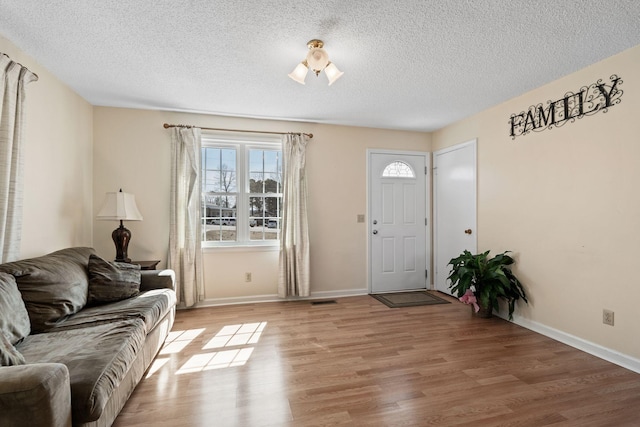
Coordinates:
(120, 207)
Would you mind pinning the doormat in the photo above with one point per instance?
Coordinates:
(408, 299)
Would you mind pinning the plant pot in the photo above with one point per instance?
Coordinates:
(484, 312)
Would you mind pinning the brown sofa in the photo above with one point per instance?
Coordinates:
(77, 334)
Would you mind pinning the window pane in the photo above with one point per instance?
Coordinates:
(208, 181)
(228, 181)
(256, 161)
(211, 156)
(272, 207)
(271, 161)
(256, 207)
(220, 221)
(266, 166)
(256, 182)
(224, 232)
(228, 159)
(271, 185)
(266, 232)
(264, 218)
(398, 170)
(219, 170)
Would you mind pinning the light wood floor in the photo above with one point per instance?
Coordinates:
(358, 362)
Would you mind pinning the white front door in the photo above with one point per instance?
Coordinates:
(454, 195)
(397, 221)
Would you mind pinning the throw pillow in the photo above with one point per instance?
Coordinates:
(9, 356)
(112, 281)
(14, 319)
(53, 286)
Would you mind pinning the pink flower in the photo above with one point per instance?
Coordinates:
(470, 298)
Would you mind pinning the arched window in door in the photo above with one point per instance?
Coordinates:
(398, 169)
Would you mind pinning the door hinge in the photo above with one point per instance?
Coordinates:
(426, 222)
(426, 274)
(426, 170)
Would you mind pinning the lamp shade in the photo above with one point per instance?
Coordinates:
(119, 206)
(332, 73)
(299, 73)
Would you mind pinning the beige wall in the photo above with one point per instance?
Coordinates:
(566, 202)
(132, 151)
(58, 163)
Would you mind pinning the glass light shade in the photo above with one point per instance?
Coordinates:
(299, 73)
(317, 59)
(332, 73)
(119, 207)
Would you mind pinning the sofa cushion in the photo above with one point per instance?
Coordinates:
(98, 358)
(9, 356)
(53, 286)
(14, 319)
(150, 307)
(112, 281)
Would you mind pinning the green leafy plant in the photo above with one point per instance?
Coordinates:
(481, 281)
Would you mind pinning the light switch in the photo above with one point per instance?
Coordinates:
(360, 217)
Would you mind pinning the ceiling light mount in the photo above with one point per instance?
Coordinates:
(315, 43)
(317, 60)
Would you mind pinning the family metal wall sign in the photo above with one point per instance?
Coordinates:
(589, 100)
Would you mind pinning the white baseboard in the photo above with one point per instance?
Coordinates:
(597, 350)
(214, 302)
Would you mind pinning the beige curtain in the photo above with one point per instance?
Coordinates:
(185, 255)
(294, 240)
(14, 77)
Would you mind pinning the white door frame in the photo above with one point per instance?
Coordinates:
(474, 249)
(369, 229)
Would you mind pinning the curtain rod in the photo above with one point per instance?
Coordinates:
(167, 126)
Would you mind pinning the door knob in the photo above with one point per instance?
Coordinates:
(375, 231)
(467, 231)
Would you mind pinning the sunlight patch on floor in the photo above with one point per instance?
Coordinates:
(217, 360)
(155, 366)
(243, 336)
(178, 340)
(236, 335)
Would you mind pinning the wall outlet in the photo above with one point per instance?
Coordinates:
(247, 277)
(607, 317)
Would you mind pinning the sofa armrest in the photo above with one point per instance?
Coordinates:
(37, 395)
(157, 279)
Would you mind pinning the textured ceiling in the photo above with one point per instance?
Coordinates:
(413, 64)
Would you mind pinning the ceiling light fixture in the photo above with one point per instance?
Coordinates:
(317, 60)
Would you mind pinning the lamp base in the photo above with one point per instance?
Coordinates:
(121, 237)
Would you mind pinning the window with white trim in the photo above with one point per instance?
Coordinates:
(241, 191)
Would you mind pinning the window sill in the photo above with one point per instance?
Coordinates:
(241, 248)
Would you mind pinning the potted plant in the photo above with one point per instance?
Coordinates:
(481, 281)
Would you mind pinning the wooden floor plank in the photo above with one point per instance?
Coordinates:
(358, 362)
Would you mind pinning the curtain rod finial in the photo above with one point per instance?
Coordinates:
(166, 126)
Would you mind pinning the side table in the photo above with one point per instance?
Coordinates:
(146, 265)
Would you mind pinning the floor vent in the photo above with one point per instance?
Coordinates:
(328, 301)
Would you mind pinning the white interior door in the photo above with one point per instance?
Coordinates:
(397, 221)
(454, 194)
